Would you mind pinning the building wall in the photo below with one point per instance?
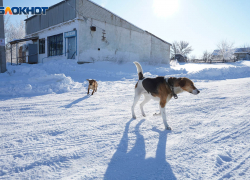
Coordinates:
(242, 56)
(91, 10)
(160, 51)
(123, 42)
(119, 45)
(54, 30)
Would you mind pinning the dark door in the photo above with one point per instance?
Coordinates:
(33, 54)
(71, 48)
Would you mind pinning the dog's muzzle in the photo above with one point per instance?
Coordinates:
(195, 91)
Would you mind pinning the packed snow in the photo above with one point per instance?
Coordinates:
(51, 128)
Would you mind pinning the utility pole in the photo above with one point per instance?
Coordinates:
(2, 44)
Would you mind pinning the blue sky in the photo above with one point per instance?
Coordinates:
(203, 23)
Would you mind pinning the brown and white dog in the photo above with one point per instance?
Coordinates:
(92, 85)
(161, 89)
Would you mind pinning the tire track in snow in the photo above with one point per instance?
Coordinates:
(226, 170)
(228, 164)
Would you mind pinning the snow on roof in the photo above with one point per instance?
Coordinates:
(242, 50)
(216, 52)
(236, 51)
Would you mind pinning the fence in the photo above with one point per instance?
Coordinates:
(213, 60)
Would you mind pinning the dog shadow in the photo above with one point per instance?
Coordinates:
(133, 165)
(77, 101)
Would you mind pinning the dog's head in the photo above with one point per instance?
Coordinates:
(185, 84)
(91, 81)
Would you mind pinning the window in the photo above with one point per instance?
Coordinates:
(55, 45)
(41, 46)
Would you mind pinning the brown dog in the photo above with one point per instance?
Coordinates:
(92, 85)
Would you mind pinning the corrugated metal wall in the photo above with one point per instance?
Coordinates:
(56, 14)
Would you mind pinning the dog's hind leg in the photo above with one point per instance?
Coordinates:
(146, 99)
(136, 99)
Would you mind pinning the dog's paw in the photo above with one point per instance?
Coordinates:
(157, 114)
(144, 114)
(134, 117)
(168, 128)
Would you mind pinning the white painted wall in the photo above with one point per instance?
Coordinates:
(119, 45)
(124, 41)
(57, 29)
(160, 51)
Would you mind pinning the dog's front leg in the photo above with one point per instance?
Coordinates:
(163, 103)
(163, 115)
(158, 114)
(88, 91)
(93, 90)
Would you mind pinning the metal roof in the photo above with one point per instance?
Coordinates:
(22, 40)
(48, 9)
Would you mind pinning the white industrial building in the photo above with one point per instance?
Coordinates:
(87, 32)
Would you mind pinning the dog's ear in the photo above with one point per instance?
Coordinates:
(171, 81)
(182, 82)
(87, 79)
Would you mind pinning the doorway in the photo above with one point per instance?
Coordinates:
(71, 47)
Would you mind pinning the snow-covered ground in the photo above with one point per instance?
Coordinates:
(50, 128)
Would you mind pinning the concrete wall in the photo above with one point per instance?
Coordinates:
(123, 42)
(119, 45)
(91, 10)
(160, 51)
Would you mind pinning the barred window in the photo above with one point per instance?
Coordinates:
(41, 46)
(55, 45)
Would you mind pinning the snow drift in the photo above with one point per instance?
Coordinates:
(47, 134)
(63, 76)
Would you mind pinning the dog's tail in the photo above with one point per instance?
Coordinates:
(139, 70)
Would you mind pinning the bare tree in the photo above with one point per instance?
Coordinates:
(246, 47)
(181, 47)
(12, 31)
(184, 48)
(192, 58)
(174, 49)
(225, 50)
(206, 57)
